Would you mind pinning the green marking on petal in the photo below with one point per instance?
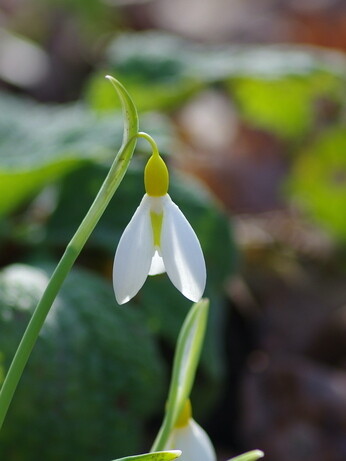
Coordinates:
(156, 223)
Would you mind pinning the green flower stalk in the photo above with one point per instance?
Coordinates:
(110, 185)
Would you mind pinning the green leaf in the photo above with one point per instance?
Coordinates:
(88, 387)
(160, 57)
(39, 144)
(263, 62)
(162, 71)
(155, 75)
(249, 456)
(285, 105)
(156, 456)
(318, 182)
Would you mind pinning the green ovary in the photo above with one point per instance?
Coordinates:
(156, 223)
(156, 178)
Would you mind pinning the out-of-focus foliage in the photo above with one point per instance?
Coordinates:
(42, 143)
(262, 100)
(89, 384)
(161, 71)
(319, 180)
(262, 79)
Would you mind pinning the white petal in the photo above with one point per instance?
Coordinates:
(193, 441)
(182, 253)
(134, 254)
(157, 266)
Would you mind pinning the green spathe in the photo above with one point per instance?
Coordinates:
(185, 364)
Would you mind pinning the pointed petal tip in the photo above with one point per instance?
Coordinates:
(122, 301)
(194, 299)
(194, 290)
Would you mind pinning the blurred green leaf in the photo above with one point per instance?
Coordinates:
(318, 182)
(161, 71)
(156, 456)
(285, 106)
(33, 134)
(41, 143)
(151, 67)
(89, 383)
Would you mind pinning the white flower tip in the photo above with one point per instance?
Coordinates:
(121, 301)
(193, 298)
(194, 286)
(198, 288)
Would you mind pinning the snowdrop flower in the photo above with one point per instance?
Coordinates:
(190, 438)
(158, 239)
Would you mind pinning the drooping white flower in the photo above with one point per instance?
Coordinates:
(158, 239)
(191, 439)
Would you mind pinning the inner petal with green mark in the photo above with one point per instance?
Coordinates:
(156, 224)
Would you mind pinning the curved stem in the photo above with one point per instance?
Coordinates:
(111, 183)
(150, 140)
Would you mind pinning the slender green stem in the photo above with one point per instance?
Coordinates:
(111, 183)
